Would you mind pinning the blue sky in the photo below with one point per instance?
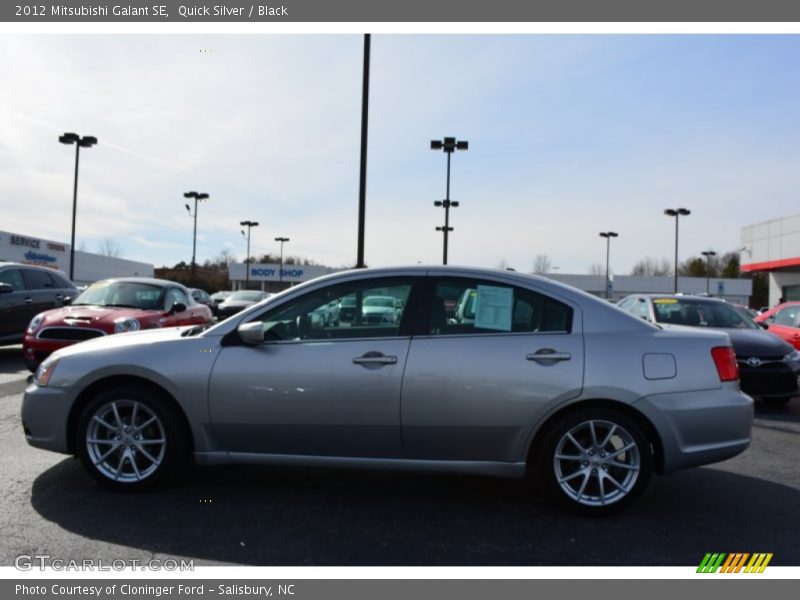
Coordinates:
(569, 135)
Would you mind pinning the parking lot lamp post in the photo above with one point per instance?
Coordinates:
(608, 235)
(281, 240)
(676, 212)
(448, 145)
(198, 197)
(86, 141)
(708, 254)
(247, 224)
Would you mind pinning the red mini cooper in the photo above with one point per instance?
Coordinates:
(112, 306)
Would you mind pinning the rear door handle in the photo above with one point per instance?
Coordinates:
(375, 358)
(28, 300)
(546, 355)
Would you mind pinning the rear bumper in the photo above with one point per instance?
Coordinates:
(699, 428)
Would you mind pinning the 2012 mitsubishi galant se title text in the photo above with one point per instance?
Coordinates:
(533, 377)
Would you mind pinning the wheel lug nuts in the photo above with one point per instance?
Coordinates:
(594, 471)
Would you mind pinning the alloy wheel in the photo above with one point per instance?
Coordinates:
(597, 463)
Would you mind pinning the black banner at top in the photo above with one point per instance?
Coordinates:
(464, 11)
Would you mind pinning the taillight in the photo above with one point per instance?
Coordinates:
(725, 360)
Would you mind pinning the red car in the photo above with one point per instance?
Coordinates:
(112, 306)
(784, 321)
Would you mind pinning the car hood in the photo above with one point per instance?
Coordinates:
(130, 339)
(99, 317)
(236, 303)
(746, 342)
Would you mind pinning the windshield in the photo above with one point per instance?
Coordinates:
(122, 293)
(384, 301)
(247, 296)
(697, 313)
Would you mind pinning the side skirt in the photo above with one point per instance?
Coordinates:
(472, 467)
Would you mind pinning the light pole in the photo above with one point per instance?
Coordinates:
(676, 212)
(281, 240)
(708, 254)
(608, 235)
(86, 141)
(448, 145)
(197, 198)
(362, 177)
(247, 224)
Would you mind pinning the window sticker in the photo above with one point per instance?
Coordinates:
(493, 307)
(665, 301)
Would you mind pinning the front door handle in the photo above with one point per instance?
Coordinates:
(375, 358)
(28, 300)
(547, 355)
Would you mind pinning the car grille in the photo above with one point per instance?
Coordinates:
(772, 378)
(71, 334)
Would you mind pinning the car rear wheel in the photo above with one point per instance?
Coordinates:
(130, 438)
(595, 461)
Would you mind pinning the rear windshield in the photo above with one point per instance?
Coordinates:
(697, 313)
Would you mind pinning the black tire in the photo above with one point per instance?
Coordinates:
(584, 484)
(130, 449)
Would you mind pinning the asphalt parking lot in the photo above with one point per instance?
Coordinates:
(293, 516)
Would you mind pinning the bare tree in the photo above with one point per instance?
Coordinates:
(597, 269)
(225, 257)
(651, 267)
(110, 247)
(542, 264)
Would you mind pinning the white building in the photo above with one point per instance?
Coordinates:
(29, 250)
(773, 247)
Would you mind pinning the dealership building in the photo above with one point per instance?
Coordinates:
(773, 247)
(89, 267)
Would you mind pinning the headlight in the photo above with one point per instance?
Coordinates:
(35, 323)
(45, 372)
(124, 324)
(793, 357)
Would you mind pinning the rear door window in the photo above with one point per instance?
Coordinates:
(473, 306)
(39, 280)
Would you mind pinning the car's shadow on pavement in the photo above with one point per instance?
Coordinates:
(293, 516)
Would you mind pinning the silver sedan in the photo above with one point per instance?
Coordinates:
(536, 378)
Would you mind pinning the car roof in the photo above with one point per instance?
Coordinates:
(145, 280)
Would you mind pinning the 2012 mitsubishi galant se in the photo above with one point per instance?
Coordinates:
(538, 378)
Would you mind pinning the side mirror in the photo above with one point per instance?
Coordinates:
(251, 334)
(5, 288)
(177, 307)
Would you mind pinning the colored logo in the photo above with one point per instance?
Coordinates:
(736, 562)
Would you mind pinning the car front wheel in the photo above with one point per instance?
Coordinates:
(130, 438)
(595, 461)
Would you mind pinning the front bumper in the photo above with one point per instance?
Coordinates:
(699, 428)
(45, 412)
(34, 350)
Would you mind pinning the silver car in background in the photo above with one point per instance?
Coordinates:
(542, 380)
